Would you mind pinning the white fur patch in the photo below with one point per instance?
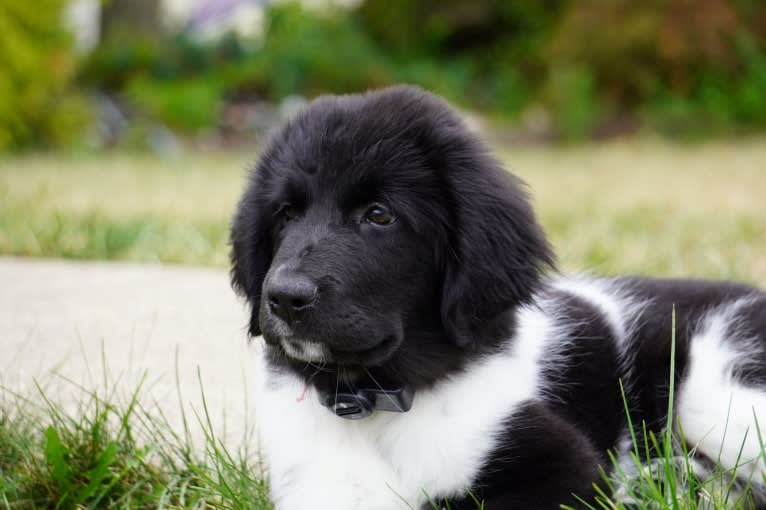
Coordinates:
(391, 460)
(717, 413)
(621, 310)
(615, 303)
(304, 350)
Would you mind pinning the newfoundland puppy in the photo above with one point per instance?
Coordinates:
(421, 351)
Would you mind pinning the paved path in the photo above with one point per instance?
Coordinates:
(58, 317)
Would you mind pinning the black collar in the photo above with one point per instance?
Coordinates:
(361, 400)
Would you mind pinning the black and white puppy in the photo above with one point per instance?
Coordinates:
(419, 344)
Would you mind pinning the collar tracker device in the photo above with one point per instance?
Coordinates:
(360, 402)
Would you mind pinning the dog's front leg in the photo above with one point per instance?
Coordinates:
(547, 461)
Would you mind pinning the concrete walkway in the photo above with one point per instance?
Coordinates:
(62, 322)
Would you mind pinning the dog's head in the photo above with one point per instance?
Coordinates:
(377, 231)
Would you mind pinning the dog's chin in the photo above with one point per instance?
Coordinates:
(373, 356)
(311, 351)
(305, 350)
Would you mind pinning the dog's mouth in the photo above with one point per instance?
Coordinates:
(304, 350)
(370, 356)
(312, 351)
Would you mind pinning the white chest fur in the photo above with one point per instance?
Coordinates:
(392, 460)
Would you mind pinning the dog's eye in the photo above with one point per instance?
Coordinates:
(288, 212)
(379, 215)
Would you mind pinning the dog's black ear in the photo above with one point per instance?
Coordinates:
(498, 251)
(494, 252)
(251, 252)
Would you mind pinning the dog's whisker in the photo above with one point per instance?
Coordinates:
(337, 382)
(319, 368)
(396, 404)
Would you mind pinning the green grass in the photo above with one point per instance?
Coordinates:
(641, 207)
(109, 452)
(126, 207)
(659, 473)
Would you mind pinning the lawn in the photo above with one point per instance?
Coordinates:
(640, 207)
(119, 207)
(115, 454)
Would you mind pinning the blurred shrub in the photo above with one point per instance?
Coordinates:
(685, 64)
(488, 52)
(177, 81)
(119, 60)
(37, 105)
(680, 65)
(184, 104)
(592, 67)
(182, 82)
(489, 31)
(312, 52)
(570, 93)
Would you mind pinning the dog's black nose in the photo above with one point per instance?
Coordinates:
(289, 294)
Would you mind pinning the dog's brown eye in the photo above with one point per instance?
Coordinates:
(379, 215)
(288, 212)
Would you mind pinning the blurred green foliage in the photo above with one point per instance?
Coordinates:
(592, 67)
(37, 104)
(683, 65)
(304, 52)
(176, 81)
(189, 104)
(496, 47)
(183, 82)
(582, 68)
